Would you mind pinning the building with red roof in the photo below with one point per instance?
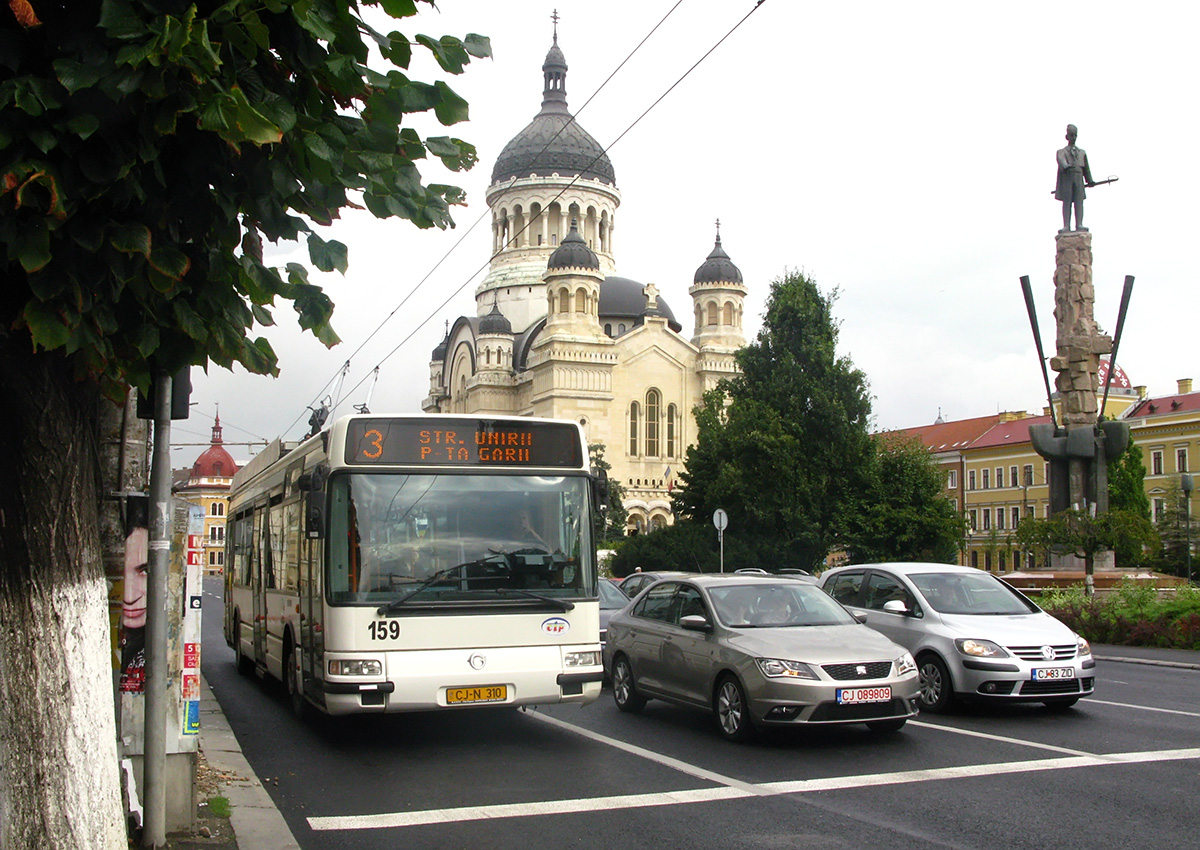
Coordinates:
(207, 484)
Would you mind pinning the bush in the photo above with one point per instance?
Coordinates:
(1132, 616)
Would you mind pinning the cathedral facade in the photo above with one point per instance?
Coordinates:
(558, 333)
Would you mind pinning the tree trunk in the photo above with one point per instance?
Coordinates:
(59, 781)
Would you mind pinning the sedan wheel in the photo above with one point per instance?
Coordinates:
(625, 693)
(937, 692)
(732, 711)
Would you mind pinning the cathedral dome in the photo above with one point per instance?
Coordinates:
(214, 462)
(553, 142)
(573, 253)
(622, 298)
(718, 268)
(495, 322)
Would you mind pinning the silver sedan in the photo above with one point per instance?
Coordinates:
(757, 651)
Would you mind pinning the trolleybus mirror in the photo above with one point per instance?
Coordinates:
(314, 517)
(600, 487)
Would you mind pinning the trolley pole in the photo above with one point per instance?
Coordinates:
(154, 831)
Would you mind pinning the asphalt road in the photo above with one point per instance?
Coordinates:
(1118, 769)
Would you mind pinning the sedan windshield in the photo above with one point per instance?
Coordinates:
(970, 593)
(409, 539)
(771, 605)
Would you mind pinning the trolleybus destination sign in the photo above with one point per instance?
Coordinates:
(462, 442)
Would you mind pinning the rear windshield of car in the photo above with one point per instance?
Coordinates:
(970, 593)
(771, 605)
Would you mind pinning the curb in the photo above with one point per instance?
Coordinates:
(256, 822)
(1183, 665)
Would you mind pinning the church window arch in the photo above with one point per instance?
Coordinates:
(564, 300)
(581, 300)
(520, 234)
(727, 317)
(634, 424)
(620, 329)
(672, 413)
(712, 312)
(653, 412)
(658, 522)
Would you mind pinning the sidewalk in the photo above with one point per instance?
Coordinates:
(257, 824)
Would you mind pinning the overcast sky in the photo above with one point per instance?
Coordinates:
(900, 153)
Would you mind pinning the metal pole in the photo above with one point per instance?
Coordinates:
(154, 831)
(721, 540)
(1185, 484)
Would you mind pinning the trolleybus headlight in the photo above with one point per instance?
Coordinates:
(355, 667)
(590, 658)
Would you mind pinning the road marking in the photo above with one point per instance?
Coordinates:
(1145, 707)
(726, 790)
(1001, 738)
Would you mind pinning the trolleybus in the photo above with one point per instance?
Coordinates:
(408, 563)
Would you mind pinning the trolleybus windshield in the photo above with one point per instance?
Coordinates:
(404, 539)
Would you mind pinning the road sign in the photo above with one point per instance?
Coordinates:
(720, 519)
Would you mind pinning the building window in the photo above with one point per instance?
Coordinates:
(1160, 509)
(954, 505)
(975, 559)
(987, 519)
(987, 561)
(727, 314)
(671, 430)
(1028, 473)
(1013, 481)
(1000, 518)
(1016, 517)
(653, 406)
(633, 428)
(712, 313)
(1002, 559)
(1156, 462)
(970, 479)
(216, 534)
(974, 518)
(217, 509)
(608, 329)
(1181, 460)
(986, 480)
(999, 477)
(952, 480)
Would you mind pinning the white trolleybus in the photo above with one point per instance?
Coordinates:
(409, 563)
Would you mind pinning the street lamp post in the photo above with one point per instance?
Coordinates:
(1185, 484)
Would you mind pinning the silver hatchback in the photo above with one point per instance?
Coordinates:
(757, 651)
(973, 636)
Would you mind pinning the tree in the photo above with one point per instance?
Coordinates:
(902, 513)
(1175, 531)
(1080, 534)
(612, 528)
(147, 150)
(1127, 492)
(781, 445)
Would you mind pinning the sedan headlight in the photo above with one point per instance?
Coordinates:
(778, 668)
(980, 648)
(355, 667)
(1084, 647)
(905, 664)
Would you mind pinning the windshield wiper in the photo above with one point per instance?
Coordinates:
(396, 604)
(563, 605)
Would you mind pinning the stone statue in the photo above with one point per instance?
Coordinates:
(1073, 175)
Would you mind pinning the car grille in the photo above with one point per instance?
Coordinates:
(1062, 652)
(849, 672)
(828, 712)
(1050, 686)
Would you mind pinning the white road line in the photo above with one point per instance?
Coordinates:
(1001, 738)
(727, 792)
(633, 749)
(1144, 707)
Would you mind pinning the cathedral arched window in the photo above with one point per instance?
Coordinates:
(653, 409)
(712, 312)
(671, 414)
(608, 329)
(727, 318)
(633, 428)
(581, 300)
(564, 301)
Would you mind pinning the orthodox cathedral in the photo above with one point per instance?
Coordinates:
(558, 333)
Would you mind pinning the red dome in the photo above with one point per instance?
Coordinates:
(215, 462)
(1120, 381)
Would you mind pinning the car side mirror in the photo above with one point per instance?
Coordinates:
(695, 623)
(859, 616)
(896, 607)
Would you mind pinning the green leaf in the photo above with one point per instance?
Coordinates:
(448, 51)
(479, 46)
(32, 246)
(130, 238)
(400, 8)
(45, 326)
(398, 51)
(75, 75)
(452, 108)
(170, 261)
(83, 125)
(327, 256)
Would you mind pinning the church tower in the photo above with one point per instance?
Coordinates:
(550, 174)
(718, 300)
